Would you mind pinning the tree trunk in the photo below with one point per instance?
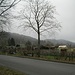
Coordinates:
(38, 45)
(38, 41)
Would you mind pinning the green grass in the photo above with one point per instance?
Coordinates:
(7, 71)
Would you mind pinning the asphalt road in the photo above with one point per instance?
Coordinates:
(37, 67)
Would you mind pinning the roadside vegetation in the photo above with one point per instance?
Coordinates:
(7, 71)
(50, 53)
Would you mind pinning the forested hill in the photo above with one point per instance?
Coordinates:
(60, 42)
(22, 39)
(19, 39)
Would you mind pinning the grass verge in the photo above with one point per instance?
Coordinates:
(8, 71)
(47, 58)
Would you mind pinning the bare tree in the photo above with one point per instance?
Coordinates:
(5, 5)
(39, 15)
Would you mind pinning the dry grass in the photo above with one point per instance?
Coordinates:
(7, 71)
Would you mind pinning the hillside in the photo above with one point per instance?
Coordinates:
(22, 39)
(60, 42)
(19, 39)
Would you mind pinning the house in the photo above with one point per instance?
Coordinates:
(62, 47)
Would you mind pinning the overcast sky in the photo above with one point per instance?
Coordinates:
(66, 10)
(66, 15)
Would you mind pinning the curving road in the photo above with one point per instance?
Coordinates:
(37, 67)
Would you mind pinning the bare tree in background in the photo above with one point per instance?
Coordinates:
(39, 16)
(5, 5)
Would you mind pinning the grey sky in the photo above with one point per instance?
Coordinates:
(66, 15)
(66, 10)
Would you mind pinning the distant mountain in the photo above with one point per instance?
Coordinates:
(22, 39)
(60, 42)
(19, 39)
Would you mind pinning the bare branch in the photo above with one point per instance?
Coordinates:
(5, 5)
(1, 2)
(9, 6)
